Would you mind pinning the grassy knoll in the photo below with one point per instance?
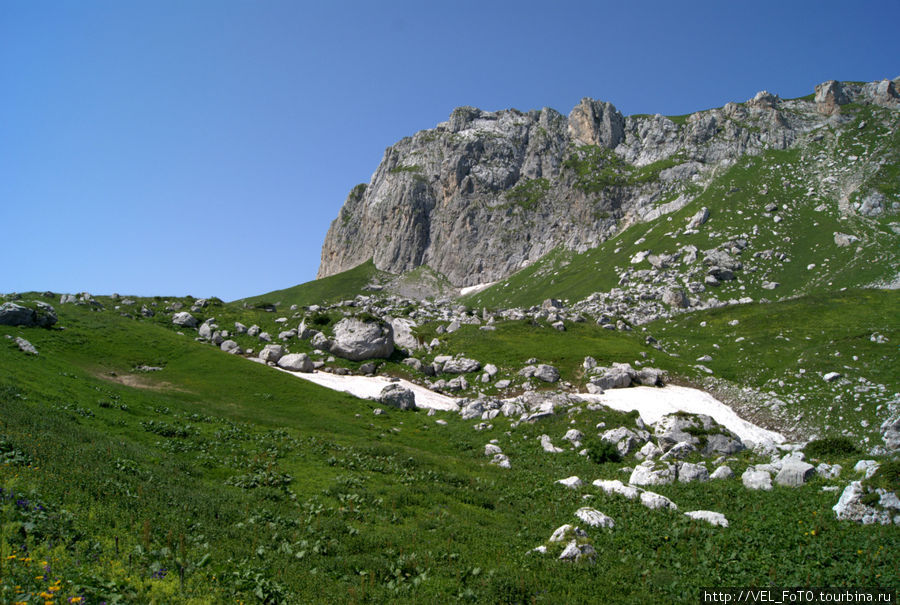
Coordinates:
(328, 289)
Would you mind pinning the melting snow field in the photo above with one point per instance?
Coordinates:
(369, 387)
(653, 403)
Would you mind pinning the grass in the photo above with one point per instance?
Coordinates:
(219, 480)
(337, 287)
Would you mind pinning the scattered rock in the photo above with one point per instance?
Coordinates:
(572, 482)
(548, 445)
(25, 346)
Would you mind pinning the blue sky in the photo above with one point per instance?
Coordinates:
(203, 147)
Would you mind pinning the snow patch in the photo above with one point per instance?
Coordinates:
(369, 387)
(476, 288)
(652, 403)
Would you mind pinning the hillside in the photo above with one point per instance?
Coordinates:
(142, 464)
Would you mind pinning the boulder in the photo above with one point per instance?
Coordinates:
(547, 373)
(403, 335)
(655, 501)
(25, 346)
(272, 353)
(296, 362)
(574, 436)
(625, 440)
(617, 377)
(577, 552)
(709, 516)
(652, 473)
(843, 240)
(850, 507)
(723, 472)
(184, 319)
(594, 517)
(890, 432)
(679, 451)
(573, 482)
(650, 377)
(501, 460)
(398, 396)
(229, 346)
(566, 532)
(548, 445)
(358, 339)
(12, 314)
(614, 486)
(461, 366)
(699, 218)
(699, 430)
(688, 472)
(490, 449)
(756, 479)
(794, 473)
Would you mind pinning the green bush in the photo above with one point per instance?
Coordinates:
(600, 451)
(830, 446)
(320, 319)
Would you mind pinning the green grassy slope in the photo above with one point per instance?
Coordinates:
(254, 486)
(785, 348)
(328, 289)
(809, 184)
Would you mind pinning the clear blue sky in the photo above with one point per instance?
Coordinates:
(203, 147)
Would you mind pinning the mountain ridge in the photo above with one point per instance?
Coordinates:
(486, 193)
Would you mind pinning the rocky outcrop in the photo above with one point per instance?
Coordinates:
(528, 182)
(42, 315)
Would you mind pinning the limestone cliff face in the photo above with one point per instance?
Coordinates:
(485, 193)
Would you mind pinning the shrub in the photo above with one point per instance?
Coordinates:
(601, 451)
(320, 319)
(830, 446)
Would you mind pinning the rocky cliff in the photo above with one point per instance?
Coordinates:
(486, 193)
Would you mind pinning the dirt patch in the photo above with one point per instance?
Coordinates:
(138, 381)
